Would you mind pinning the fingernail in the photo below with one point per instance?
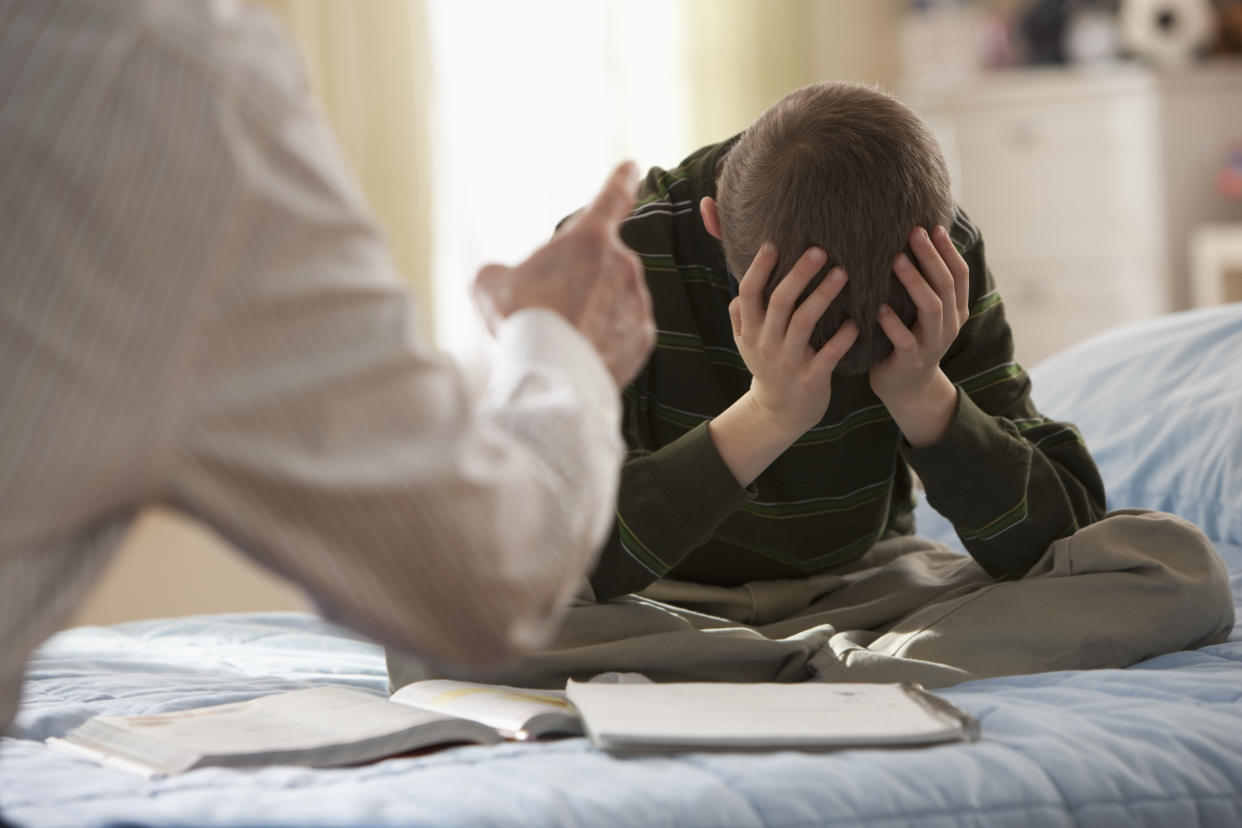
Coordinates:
(885, 310)
(902, 258)
(941, 231)
(817, 256)
(837, 274)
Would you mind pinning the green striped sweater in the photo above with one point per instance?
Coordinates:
(1010, 480)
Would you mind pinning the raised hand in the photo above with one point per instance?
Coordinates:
(588, 275)
(791, 382)
(909, 381)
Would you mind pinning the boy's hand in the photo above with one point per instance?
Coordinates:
(587, 275)
(909, 381)
(791, 383)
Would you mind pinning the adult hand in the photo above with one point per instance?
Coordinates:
(587, 275)
(909, 381)
(791, 382)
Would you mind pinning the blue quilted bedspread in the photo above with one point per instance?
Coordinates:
(1158, 744)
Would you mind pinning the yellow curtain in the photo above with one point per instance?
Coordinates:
(745, 54)
(368, 63)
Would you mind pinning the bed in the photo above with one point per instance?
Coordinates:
(1158, 744)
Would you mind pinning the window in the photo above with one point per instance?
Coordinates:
(533, 103)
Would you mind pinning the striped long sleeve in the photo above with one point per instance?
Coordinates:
(1010, 480)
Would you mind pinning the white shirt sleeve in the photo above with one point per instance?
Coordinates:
(326, 439)
(196, 309)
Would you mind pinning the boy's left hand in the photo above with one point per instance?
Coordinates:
(909, 381)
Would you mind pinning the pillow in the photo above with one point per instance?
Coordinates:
(1159, 403)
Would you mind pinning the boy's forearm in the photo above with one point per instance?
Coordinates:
(1010, 482)
(924, 414)
(671, 501)
(748, 439)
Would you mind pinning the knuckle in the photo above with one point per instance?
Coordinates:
(488, 273)
(633, 262)
(808, 265)
(784, 294)
(592, 232)
(620, 265)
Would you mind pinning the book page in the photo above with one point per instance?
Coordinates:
(301, 719)
(515, 711)
(722, 714)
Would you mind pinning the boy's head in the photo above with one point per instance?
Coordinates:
(845, 167)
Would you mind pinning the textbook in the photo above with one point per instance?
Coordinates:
(764, 716)
(322, 727)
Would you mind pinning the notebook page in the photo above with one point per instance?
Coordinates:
(811, 713)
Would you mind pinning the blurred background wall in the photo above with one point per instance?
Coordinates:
(1098, 144)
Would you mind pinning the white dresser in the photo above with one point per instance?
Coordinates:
(1087, 185)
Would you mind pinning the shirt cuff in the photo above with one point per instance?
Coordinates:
(972, 450)
(543, 337)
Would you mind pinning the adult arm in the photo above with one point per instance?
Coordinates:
(327, 440)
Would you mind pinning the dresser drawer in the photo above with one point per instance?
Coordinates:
(1007, 130)
(1074, 177)
(1051, 303)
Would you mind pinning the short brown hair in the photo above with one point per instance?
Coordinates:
(846, 167)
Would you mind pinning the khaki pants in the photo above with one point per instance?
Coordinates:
(1134, 585)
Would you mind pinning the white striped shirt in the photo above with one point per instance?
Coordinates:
(196, 310)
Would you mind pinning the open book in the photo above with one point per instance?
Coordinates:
(330, 726)
(806, 716)
(322, 727)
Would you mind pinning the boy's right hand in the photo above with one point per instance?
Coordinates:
(587, 275)
(791, 383)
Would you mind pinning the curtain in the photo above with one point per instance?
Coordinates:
(533, 104)
(745, 54)
(368, 63)
(508, 114)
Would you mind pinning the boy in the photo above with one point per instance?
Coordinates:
(765, 523)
